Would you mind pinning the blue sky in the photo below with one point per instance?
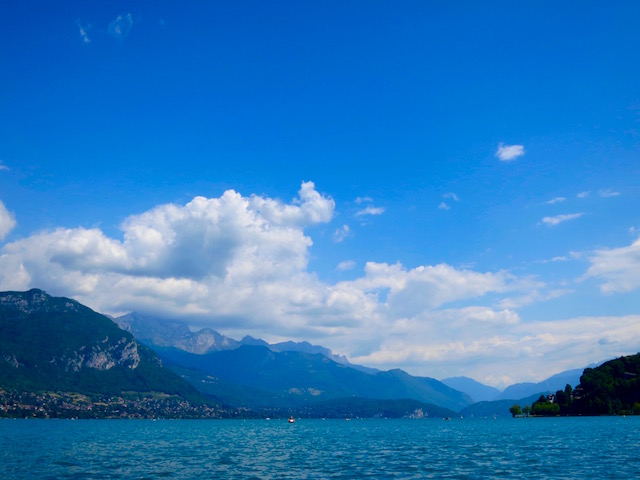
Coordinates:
(451, 188)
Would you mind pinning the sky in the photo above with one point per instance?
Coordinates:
(450, 188)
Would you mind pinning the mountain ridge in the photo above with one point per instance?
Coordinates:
(55, 345)
(155, 332)
(301, 378)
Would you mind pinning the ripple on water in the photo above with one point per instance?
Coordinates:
(314, 449)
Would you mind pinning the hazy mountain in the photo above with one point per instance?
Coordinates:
(166, 333)
(496, 408)
(297, 378)
(352, 407)
(476, 390)
(156, 332)
(53, 344)
(551, 384)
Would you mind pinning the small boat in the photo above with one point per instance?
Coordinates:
(292, 420)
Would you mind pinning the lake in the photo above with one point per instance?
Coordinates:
(595, 447)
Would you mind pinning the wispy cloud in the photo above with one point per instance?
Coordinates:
(346, 265)
(606, 193)
(361, 200)
(564, 258)
(3, 167)
(83, 32)
(448, 196)
(7, 221)
(452, 196)
(370, 210)
(584, 194)
(341, 233)
(618, 267)
(120, 27)
(507, 153)
(558, 219)
(555, 200)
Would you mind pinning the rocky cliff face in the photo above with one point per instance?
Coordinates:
(104, 356)
(165, 333)
(50, 343)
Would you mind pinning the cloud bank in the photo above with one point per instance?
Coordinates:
(240, 264)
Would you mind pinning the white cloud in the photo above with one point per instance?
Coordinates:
(240, 264)
(371, 210)
(7, 221)
(555, 200)
(584, 194)
(452, 196)
(497, 348)
(230, 242)
(83, 33)
(360, 200)
(3, 167)
(429, 287)
(346, 265)
(120, 27)
(558, 219)
(444, 206)
(507, 153)
(341, 233)
(619, 268)
(310, 207)
(607, 193)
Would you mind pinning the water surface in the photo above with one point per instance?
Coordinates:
(595, 447)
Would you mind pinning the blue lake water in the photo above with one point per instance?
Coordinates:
(602, 447)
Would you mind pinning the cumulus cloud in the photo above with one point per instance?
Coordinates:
(507, 153)
(428, 287)
(618, 268)
(7, 221)
(120, 27)
(240, 264)
(558, 219)
(370, 210)
(209, 241)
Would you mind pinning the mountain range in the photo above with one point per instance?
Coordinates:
(71, 360)
(159, 333)
(53, 344)
(166, 335)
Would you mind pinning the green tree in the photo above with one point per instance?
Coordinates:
(545, 408)
(515, 410)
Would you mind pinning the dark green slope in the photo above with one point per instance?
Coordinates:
(613, 388)
(297, 378)
(52, 344)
